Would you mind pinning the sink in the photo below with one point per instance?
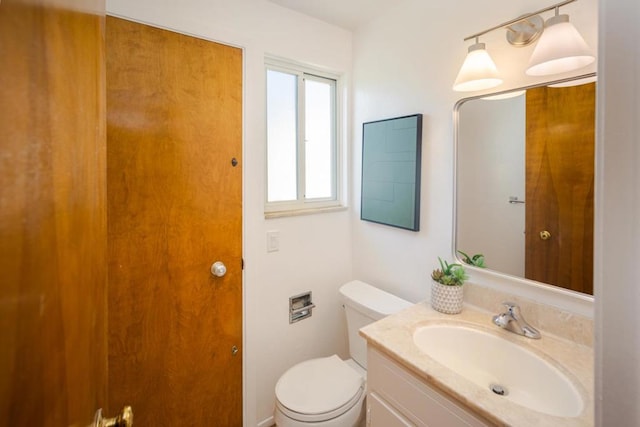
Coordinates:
(500, 366)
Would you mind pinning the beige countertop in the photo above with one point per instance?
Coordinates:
(393, 336)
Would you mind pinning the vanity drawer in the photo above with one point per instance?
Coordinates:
(382, 414)
(416, 401)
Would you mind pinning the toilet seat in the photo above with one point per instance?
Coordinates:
(319, 389)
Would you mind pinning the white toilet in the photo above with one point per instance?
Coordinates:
(329, 391)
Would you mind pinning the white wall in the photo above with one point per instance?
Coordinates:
(617, 287)
(491, 169)
(405, 62)
(315, 250)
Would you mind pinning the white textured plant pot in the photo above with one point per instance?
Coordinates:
(446, 299)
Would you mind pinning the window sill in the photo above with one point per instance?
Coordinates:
(300, 212)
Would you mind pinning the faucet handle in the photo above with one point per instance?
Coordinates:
(513, 311)
(512, 307)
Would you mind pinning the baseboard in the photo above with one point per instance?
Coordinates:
(267, 422)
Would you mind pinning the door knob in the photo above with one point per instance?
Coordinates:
(545, 235)
(218, 269)
(125, 419)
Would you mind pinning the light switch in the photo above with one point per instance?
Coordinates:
(273, 241)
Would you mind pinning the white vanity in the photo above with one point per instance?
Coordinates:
(399, 398)
(547, 382)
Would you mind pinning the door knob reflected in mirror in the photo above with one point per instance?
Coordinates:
(125, 419)
(545, 235)
(218, 269)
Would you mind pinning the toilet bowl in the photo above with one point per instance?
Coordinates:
(329, 391)
(326, 392)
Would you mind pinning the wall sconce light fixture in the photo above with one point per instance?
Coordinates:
(478, 71)
(561, 48)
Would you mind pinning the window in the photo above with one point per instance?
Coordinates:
(302, 146)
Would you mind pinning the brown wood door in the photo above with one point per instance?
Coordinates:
(53, 225)
(174, 126)
(559, 186)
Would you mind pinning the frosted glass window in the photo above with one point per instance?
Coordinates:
(319, 138)
(282, 132)
(302, 158)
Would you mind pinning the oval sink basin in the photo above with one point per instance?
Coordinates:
(502, 367)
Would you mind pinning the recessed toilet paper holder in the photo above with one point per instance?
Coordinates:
(300, 307)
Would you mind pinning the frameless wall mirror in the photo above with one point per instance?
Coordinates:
(524, 182)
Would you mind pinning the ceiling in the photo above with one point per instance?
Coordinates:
(348, 14)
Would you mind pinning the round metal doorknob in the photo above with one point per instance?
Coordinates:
(125, 419)
(218, 269)
(545, 235)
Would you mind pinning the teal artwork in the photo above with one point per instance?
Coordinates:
(391, 152)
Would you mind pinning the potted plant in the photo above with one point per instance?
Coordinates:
(476, 260)
(446, 289)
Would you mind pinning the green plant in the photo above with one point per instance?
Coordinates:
(449, 274)
(476, 260)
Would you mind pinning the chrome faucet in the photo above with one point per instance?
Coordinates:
(512, 320)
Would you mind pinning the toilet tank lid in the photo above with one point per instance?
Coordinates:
(370, 300)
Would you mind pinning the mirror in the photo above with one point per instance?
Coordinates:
(524, 182)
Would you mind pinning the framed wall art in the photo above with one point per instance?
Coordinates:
(391, 153)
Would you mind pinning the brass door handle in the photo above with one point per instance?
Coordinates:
(545, 235)
(125, 419)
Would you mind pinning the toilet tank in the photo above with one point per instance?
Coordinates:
(365, 304)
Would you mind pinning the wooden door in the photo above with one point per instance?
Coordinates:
(174, 131)
(53, 362)
(559, 186)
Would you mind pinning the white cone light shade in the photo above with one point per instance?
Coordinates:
(561, 48)
(478, 71)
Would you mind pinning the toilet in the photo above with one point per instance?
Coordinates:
(329, 391)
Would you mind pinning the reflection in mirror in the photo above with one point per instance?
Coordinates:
(524, 183)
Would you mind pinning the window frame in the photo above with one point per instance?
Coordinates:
(302, 205)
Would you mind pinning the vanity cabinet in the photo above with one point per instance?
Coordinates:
(397, 398)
